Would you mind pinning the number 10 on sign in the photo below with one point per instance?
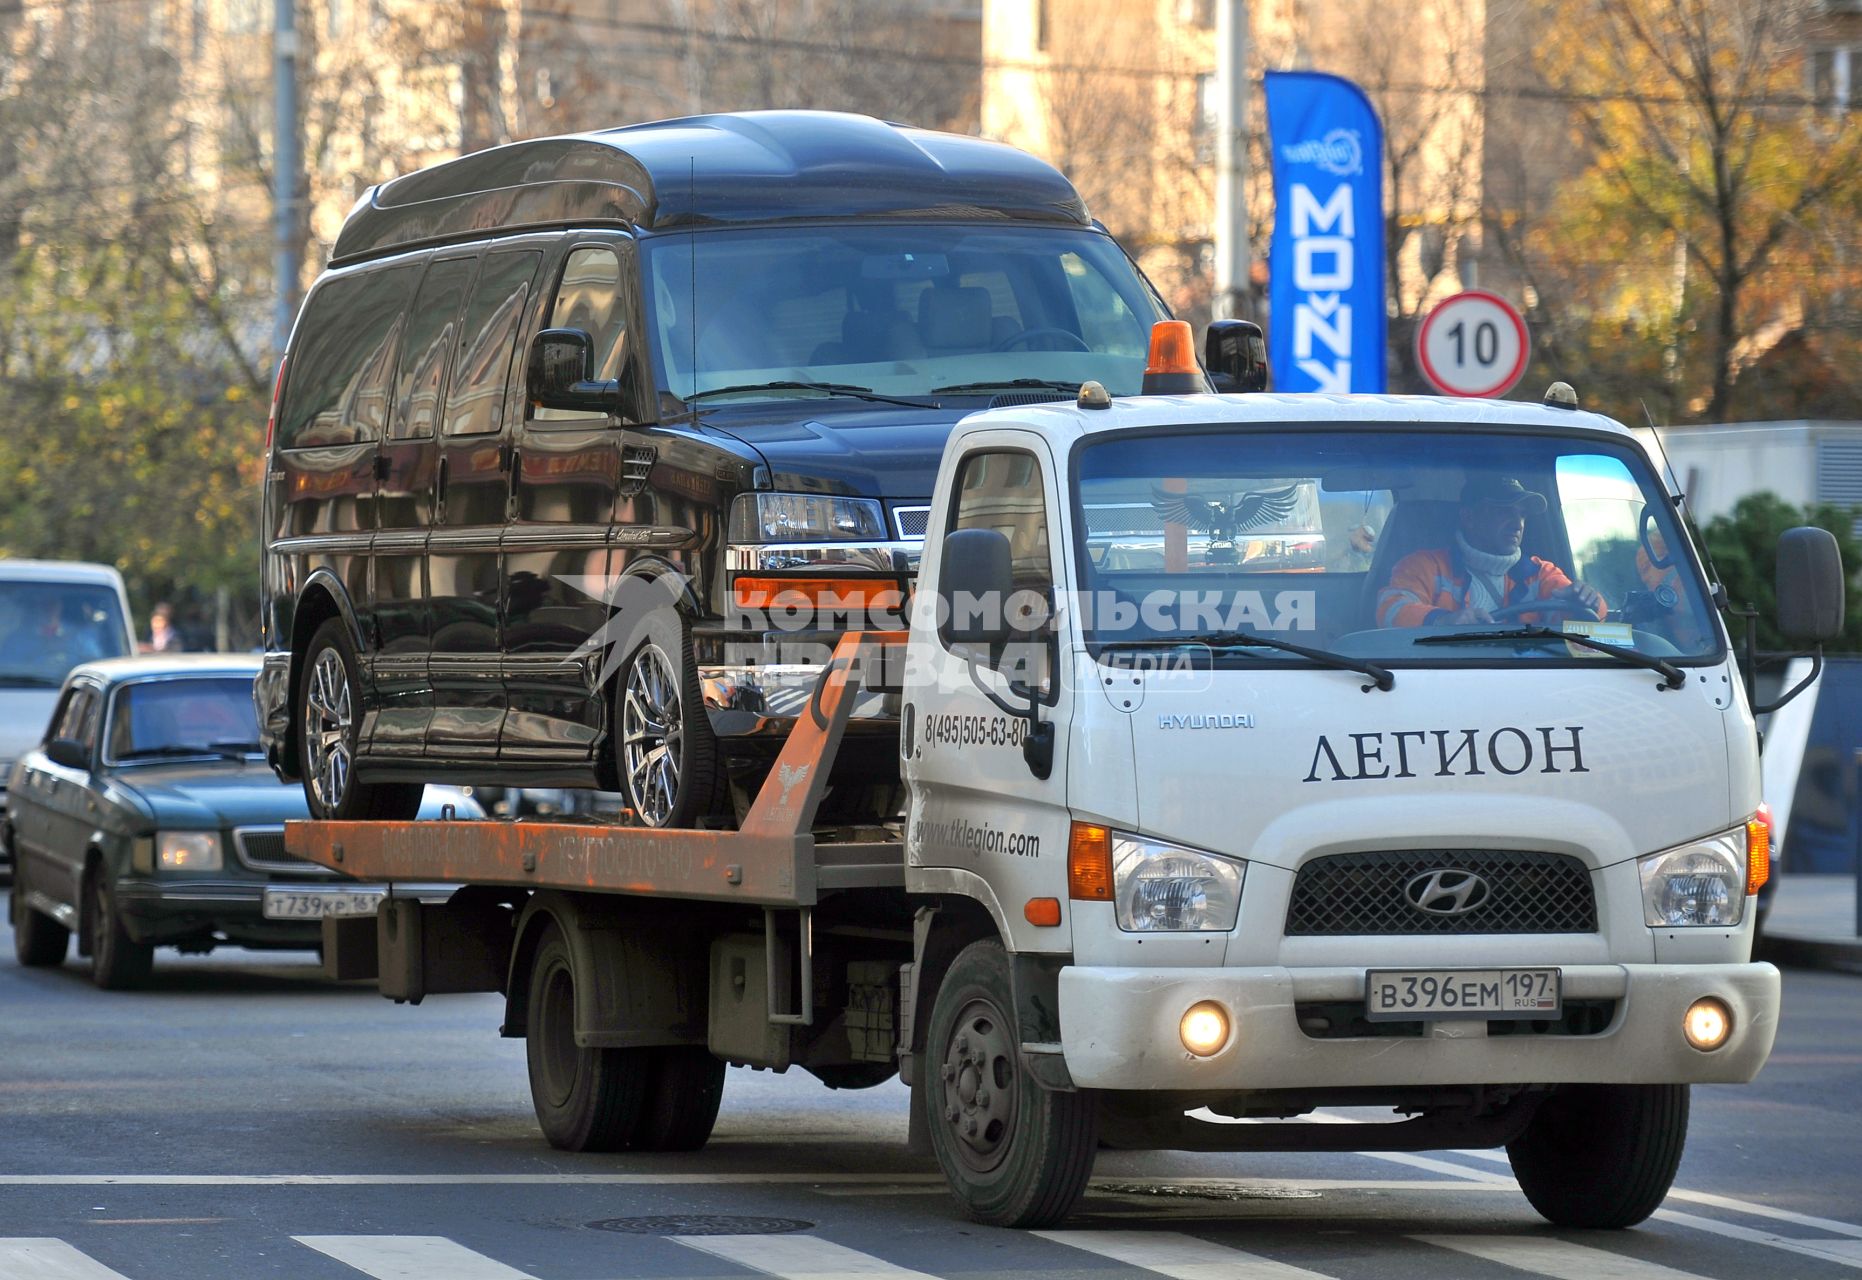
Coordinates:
(1473, 344)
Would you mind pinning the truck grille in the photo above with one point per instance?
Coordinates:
(1364, 893)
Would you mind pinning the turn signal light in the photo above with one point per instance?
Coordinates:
(1707, 1024)
(1758, 849)
(817, 593)
(1043, 912)
(1089, 863)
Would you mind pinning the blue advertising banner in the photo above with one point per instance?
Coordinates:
(1326, 264)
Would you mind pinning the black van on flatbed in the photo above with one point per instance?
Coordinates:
(579, 443)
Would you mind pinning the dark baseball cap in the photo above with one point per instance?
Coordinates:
(1503, 491)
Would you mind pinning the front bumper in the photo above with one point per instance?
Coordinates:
(165, 911)
(1120, 1031)
(757, 685)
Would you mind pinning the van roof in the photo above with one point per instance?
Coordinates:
(58, 571)
(754, 166)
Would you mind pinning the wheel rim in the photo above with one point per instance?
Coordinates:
(328, 717)
(652, 733)
(555, 1031)
(980, 1086)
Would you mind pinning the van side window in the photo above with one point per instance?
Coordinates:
(487, 338)
(591, 297)
(338, 379)
(433, 320)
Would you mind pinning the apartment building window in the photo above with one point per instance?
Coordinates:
(245, 17)
(1041, 32)
(335, 19)
(1208, 117)
(1196, 13)
(1834, 73)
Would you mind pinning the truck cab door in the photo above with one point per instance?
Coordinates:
(981, 821)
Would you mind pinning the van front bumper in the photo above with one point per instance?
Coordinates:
(1120, 1030)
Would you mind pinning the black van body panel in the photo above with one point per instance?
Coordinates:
(757, 166)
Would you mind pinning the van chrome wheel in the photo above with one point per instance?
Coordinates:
(328, 717)
(652, 735)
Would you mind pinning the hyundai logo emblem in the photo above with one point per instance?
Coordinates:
(1447, 892)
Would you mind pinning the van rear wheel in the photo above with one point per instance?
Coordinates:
(329, 728)
(1602, 1155)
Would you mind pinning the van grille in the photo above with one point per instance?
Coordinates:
(1363, 893)
(912, 520)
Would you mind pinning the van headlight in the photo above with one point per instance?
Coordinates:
(188, 851)
(805, 517)
(1167, 888)
(1703, 883)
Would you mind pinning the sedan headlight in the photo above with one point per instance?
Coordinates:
(1166, 888)
(805, 517)
(188, 851)
(1703, 883)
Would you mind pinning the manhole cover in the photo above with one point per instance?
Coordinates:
(1206, 1190)
(701, 1224)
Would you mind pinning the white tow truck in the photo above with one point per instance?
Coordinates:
(1230, 797)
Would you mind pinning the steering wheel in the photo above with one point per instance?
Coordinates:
(1016, 339)
(1560, 602)
(1643, 535)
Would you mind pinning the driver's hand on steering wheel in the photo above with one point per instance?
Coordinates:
(1472, 613)
(1587, 596)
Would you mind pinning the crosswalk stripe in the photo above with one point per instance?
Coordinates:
(411, 1258)
(1559, 1259)
(799, 1257)
(41, 1258)
(1179, 1256)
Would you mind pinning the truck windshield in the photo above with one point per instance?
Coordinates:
(47, 628)
(896, 310)
(1384, 543)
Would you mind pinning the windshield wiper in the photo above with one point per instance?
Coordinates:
(237, 750)
(27, 682)
(846, 389)
(1380, 676)
(168, 749)
(1673, 676)
(1008, 384)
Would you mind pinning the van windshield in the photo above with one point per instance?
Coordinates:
(1396, 544)
(47, 628)
(906, 310)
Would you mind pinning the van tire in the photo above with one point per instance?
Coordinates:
(39, 942)
(660, 719)
(682, 1102)
(1602, 1155)
(586, 1099)
(1015, 1154)
(331, 678)
(118, 961)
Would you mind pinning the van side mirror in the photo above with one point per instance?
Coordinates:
(562, 362)
(975, 580)
(1235, 354)
(68, 752)
(1810, 585)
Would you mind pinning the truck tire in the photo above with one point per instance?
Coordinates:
(118, 961)
(1015, 1154)
(671, 771)
(586, 1099)
(39, 942)
(328, 722)
(1602, 1155)
(682, 1102)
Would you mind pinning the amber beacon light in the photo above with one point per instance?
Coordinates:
(1172, 369)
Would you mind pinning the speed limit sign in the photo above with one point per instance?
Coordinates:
(1473, 344)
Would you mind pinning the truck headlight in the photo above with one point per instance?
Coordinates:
(188, 851)
(1703, 883)
(1167, 888)
(805, 517)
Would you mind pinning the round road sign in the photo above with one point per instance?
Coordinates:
(1473, 344)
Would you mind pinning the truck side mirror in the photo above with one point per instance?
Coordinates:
(1235, 354)
(1810, 585)
(68, 752)
(561, 364)
(974, 583)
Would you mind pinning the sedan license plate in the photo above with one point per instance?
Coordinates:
(312, 904)
(1395, 995)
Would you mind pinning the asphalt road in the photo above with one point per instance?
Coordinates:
(244, 1118)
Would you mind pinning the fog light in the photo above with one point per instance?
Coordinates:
(1204, 1028)
(1707, 1024)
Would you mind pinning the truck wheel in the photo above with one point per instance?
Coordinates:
(665, 753)
(329, 728)
(1602, 1155)
(39, 942)
(682, 1103)
(586, 1099)
(118, 961)
(1015, 1154)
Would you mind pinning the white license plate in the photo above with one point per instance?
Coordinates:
(1392, 995)
(311, 904)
